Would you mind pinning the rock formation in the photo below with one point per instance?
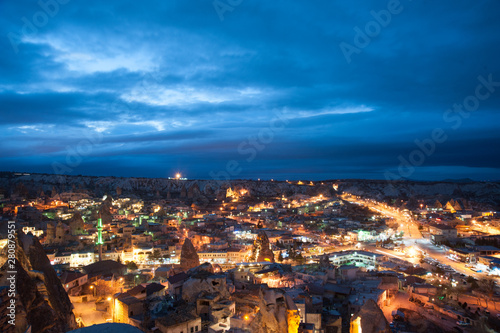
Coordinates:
(277, 313)
(193, 191)
(324, 261)
(261, 250)
(381, 190)
(189, 257)
(76, 223)
(370, 319)
(205, 284)
(57, 234)
(183, 191)
(105, 213)
(457, 206)
(41, 300)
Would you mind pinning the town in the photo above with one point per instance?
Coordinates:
(251, 256)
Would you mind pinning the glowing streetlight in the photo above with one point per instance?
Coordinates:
(177, 175)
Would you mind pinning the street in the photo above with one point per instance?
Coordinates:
(413, 237)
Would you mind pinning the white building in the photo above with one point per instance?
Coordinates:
(80, 259)
(357, 258)
(227, 256)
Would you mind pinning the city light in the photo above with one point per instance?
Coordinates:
(375, 237)
(387, 108)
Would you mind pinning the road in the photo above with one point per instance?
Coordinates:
(437, 253)
(440, 320)
(412, 236)
(403, 218)
(87, 311)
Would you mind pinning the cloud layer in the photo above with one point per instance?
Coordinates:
(149, 88)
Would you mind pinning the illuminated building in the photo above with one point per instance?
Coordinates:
(125, 306)
(74, 259)
(441, 232)
(33, 230)
(357, 258)
(223, 256)
(82, 258)
(73, 279)
(178, 176)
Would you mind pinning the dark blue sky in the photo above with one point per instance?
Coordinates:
(269, 89)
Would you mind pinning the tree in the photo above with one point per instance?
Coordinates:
(156, 255)
(131, 265)
(457, 290)
(472, 283)
(280, 257)
(421, 256)
(300, 259)
(487, 287)
(108, 287)
(280, 244)
(438, 270)
(447, 290)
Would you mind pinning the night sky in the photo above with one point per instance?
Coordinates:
(251, 89)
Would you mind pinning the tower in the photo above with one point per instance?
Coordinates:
(99, 237)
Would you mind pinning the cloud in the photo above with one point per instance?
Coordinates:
(168, 81)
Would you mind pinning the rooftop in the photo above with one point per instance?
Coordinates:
(173, 319)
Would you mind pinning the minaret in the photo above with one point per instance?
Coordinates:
(99, 237)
